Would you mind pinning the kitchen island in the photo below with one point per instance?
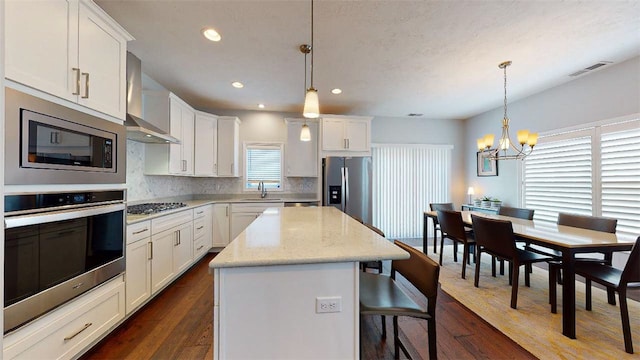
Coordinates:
(287, 286)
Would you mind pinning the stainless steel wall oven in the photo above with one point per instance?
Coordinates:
(47, 143)
(57, 246)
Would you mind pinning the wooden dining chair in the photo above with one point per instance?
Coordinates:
(381, 295)
(436, 225)
(496, 237)
(373, 264)
(596, 223)
(452, 227)
(616, 279)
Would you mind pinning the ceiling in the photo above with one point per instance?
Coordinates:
(390, 58)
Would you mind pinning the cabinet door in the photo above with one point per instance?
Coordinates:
(41, 45)
(333, 137)
(228, 140)
(175, 125)
(138, 273)
(162, 259)
(188, 117)
(220, 225)
(357, 134)
(205, 145)
(102, 62)
(301, 156)
(183, 248)
(240, 221)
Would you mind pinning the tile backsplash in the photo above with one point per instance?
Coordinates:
(147, 187)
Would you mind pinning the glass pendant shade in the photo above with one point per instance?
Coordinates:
(311, 107)
(305, 133)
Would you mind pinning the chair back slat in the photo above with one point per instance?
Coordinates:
(520, 213)
(496, 236)
(440, 206)
(451, 224)
(631, 272)
(596, 223)
(419, 270)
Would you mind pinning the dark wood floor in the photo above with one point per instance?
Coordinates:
(177, 324)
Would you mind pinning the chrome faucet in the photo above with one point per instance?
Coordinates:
(263, 190)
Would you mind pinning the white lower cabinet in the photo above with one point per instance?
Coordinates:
(202, 231)
(138, 260)
(171, 250)
(243, 214)
(68, 330)
(221, 223)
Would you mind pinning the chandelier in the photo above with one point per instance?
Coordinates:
(305, 132)
(311, 106)
(526, 139)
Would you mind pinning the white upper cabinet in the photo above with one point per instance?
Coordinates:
(228, 146)
(206, 144)
(301, 157)
(346, 134)
(70, 49)
(170, 159)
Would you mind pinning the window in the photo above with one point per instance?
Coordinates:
(593, 171)
(263, 163)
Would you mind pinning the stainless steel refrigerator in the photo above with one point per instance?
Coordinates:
(346, 184)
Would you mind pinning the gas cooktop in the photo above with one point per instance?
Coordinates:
(152, 208)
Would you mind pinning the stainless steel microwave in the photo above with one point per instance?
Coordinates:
(46, 143)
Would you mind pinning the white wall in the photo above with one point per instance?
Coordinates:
(2, 158)
(605, 94)
(406, 130)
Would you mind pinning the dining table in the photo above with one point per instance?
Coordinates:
(569, 241)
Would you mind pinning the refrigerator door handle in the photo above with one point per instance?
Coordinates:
(346, 188)
(343, 185)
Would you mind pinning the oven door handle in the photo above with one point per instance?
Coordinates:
(34, 219)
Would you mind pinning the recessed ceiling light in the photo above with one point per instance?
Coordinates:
(211, 34)
(237, 84)
(261, 106)
(336, 91)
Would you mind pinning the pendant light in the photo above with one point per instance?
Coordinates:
(305, 132)
(501, 152)
(311, 106)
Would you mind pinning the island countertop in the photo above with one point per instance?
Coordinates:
(282, 236)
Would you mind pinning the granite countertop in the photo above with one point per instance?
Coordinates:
(194, 201)
(282, 236)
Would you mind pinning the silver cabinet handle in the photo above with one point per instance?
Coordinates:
(85, 327)
(215, 168)
(184, 165)
(201, 246)
(150, 251)
(140, 232)
(86, 86)
(226, 211)
(77, 91)
(348, 145)
(199, 228)
(199, 212)
(175, 238)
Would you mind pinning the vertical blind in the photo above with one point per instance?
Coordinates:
(406, 178)
(595, 171)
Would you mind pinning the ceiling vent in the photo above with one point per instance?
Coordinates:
(590, 68)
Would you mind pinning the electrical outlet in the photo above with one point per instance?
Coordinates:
(328, 304)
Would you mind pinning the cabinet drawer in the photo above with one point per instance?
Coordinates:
(138, 231)
(254, 207)
(200, 247)
(65, 332)
(167, 222)
(202, 211)
(200, 227)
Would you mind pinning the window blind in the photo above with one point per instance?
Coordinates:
(620, 163)
(263, 163)
(558, 176)
(406, 178)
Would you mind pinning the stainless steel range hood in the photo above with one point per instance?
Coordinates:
(137, 128)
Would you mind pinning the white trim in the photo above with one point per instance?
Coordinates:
(619, 119)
